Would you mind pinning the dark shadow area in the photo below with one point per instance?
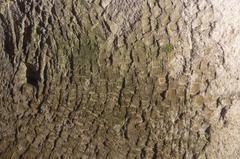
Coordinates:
(32, 75)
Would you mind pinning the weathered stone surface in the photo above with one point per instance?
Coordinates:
(119, 79)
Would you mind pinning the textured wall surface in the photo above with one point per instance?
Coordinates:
(120, 79)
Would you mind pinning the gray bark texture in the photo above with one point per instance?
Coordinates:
(154, 79)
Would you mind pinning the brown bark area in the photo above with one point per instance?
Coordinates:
(102, 79)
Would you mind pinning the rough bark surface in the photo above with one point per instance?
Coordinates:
(119, 79)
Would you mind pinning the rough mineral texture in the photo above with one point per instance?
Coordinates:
(136, 79)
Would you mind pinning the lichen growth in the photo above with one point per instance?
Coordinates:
(168, 48)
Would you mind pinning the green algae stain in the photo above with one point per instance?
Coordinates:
(90, 41)
(88, 46)
(168, 48)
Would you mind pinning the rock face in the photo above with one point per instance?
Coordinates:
(119, 79)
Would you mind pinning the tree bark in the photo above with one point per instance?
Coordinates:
(115, 79)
